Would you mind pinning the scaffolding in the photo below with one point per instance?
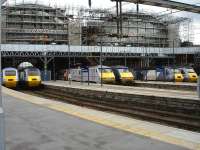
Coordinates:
(34, 24)
(137, 29)
(38, 24)
(186, 31)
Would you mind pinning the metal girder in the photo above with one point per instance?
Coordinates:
(78, 54)
(167, 4)
(14, 50)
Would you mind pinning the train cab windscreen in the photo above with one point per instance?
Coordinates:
(10, 73)
(33, 72)
(123, 70)
(105, 70)
(176, 71)
(190, 70)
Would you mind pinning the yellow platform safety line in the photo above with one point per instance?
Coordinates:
(102, 120)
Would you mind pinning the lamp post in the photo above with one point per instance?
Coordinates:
(2, 136)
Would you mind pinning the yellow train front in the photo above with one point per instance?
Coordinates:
(178, 77)
(30, 77)
(122, 74)
(10, 77)
(106, 74)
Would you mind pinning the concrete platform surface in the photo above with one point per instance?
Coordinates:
(128, 89)
(168, 83)
(34, 123)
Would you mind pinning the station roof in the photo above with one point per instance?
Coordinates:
(167, 4)
(44, 49)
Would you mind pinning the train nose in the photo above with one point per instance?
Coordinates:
(34, 81)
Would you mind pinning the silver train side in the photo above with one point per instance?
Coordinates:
(93, 74)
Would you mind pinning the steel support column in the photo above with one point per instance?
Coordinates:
(101, 63)
(137, 5)
(46, 61)
(54, 70)
(69, 56)
(174, 60)
(120, 15)
(45, 68)
(2, 128)
(117, 18)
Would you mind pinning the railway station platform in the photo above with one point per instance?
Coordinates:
(167, 85)
(42, 124)
(143, 91)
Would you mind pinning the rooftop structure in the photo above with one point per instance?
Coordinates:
(167, 4)
(38, 24)
(137, 29)
(34, 24)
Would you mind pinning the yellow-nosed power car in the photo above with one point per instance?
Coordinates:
(173, 75)
(10, 77)
(122, 74)
(107, 75)
(30, 77)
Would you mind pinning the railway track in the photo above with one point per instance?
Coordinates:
(176, 117)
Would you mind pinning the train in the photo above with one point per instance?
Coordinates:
(160, 74)
(10, 77)
(122, 74)
(94, 74)
(30, 77)
(114, 74)
(189, 74)
(25, 76)
(178, 74)
(173, 74)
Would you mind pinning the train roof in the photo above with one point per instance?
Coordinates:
(185, 67)
(23, 69)
(120, 67)
(9, 68)
(24, 65)
(31, 68)
(99, 66)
